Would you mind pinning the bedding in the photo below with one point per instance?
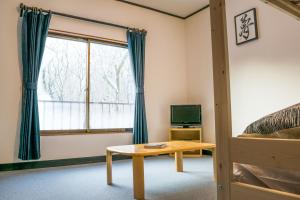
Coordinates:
(284, 119)
(278, 179)
(273, 178)
(283, 124)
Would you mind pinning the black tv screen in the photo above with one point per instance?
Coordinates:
(185, 115)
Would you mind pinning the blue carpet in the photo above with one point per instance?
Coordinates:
(88, 182)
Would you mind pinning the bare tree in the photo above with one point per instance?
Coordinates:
(111, 74)
(64, 75)
(115, 83)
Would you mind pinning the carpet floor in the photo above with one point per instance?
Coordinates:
(88, 182)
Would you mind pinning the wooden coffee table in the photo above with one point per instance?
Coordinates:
(138, 152)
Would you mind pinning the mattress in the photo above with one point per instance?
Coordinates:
(278, 179)
(273, 178)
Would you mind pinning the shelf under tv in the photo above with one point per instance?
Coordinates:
(187, 134)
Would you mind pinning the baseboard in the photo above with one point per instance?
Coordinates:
(57, 163)
(206, 152)
(65, 162)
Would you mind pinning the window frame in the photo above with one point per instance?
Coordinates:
(88, 39)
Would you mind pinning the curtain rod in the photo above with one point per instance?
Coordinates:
(22, 7)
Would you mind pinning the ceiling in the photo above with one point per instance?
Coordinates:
(180, 8)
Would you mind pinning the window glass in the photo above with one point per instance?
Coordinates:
(63, 91)
(62, 84)
(111, 87)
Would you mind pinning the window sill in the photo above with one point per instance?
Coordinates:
(85, 132)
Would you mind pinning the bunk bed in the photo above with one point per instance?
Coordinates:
(283, 124)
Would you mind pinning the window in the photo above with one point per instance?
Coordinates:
(85, 85)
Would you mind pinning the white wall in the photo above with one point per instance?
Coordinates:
(199, 69)
(165, 73)
(264, 74)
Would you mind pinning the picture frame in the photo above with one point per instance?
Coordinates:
(246, 27)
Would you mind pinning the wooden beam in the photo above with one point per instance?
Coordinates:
(249, 192)
(277, 153)
(286, 6)
(221, 97)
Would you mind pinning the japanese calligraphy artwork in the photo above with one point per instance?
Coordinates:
(246, 27)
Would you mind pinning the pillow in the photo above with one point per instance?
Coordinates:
(280, 120)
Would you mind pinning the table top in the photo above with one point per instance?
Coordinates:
(172, 146)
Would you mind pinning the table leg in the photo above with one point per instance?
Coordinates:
(178, 161)
(213, 150)
(138, 177)
(109, 167)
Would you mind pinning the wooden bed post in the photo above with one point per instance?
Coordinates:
(221, 97)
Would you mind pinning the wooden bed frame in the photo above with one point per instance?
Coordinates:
(278, 153)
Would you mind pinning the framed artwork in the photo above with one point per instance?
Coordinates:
(246, 27)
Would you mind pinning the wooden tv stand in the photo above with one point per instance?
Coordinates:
(187, 134)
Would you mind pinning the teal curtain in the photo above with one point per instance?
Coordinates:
(136, 46)
(35, 26)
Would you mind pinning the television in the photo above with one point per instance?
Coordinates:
(185, 115)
